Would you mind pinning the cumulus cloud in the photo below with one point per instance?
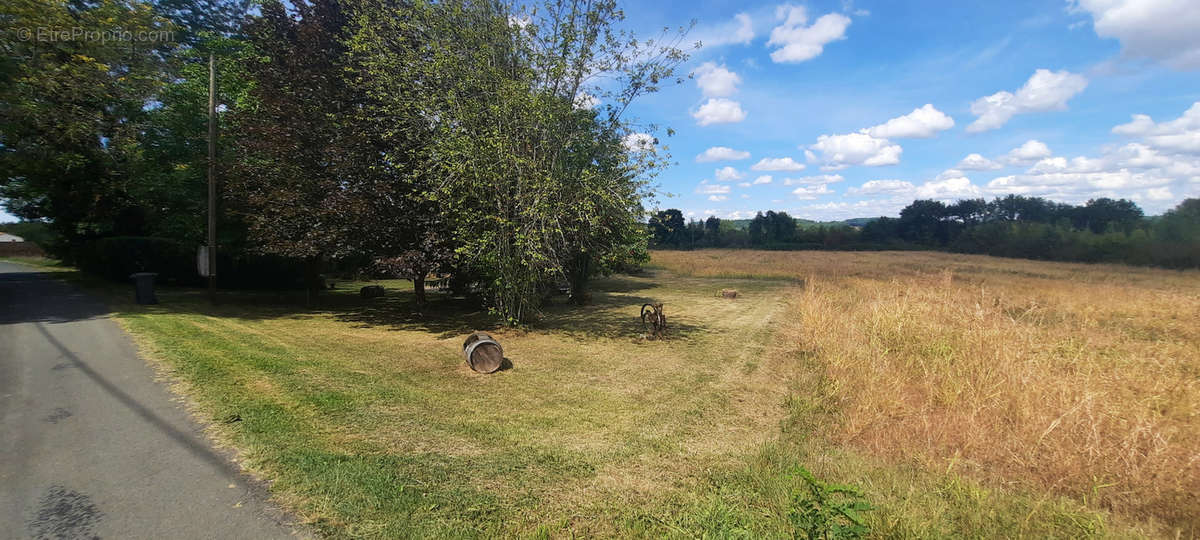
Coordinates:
(921, 123)
(882, 187)
(841, 151)
(818, 179)
(811, 192)
(719, 111)
(865, 208)
(716, 81)
(798, 42)
(764, 179)
(1029, 152)
(947, 187)
(721, 153)
(639, 142)
(717, 198)
(706, 188)
(777, 164)
(1163, 30)
(1181, 135)
(976, 162)
(739, 30)
(586, 101)
(728, 174)
(1045, 91)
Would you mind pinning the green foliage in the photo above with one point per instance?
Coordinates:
(1102, 230)
(73, 113)
(827, 511)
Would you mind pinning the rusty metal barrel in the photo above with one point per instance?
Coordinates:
(483, 353)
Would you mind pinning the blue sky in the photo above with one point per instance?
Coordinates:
(877, 103)
(1042, 93)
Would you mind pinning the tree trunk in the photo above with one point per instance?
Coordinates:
(579, 273)
(419, 288)
(312, 278)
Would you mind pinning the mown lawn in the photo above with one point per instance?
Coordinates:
(368, 423)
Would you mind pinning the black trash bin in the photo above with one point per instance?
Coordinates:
(143, 284)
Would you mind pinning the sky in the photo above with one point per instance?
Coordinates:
(839, 109)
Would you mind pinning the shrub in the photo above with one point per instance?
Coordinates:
(827, 511)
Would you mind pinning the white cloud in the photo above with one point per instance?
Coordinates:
(719, 111)
(716, 81)
(1062, 164)
(880, 187)
(1029, 152)
(777, 164)
(739, 30)
(841, 151)
(717, 198)
(728, 174)
(585, 100)
(1181, 135)
(721, 153)
(797, 42)
(808, 193)
(1045, 91)
(976, 162)
(744, 184)
(705, 188)
(818, 179)
(1163, 30)
(921, 123)
(947, 187)
(639, 142)
(764, 179)
(745, 196)
(845, 210)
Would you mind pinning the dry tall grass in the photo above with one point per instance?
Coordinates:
(1076, 379)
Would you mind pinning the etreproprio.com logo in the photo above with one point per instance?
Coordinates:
(50, 34)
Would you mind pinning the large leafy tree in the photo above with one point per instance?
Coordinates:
(533, 183)
(288, 183)
(72, 112)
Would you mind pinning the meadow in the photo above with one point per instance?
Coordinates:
(964, 396)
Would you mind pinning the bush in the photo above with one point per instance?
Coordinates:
(117, 257)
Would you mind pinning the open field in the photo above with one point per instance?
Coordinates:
(965, 395)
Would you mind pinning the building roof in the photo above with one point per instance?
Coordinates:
(5, 237)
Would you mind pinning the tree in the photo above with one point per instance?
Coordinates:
(667, 227)
(712, 227)
(922, 222)
(1099, 214)
(73, 112)
(533, 184)
(287, 184)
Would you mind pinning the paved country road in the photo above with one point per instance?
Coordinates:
(91, 445)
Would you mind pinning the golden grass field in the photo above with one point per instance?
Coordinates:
(966, 396)
(1076, 379)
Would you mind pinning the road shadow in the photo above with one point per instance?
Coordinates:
(40, 297)
(612, 312)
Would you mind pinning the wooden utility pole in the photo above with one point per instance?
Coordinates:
(212, 181)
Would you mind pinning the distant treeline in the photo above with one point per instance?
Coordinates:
(1103, 230)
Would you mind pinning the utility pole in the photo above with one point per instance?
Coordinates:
(212, 181)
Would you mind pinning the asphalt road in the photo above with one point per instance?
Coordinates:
(92, 445)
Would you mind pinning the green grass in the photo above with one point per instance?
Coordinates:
(367, 422)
